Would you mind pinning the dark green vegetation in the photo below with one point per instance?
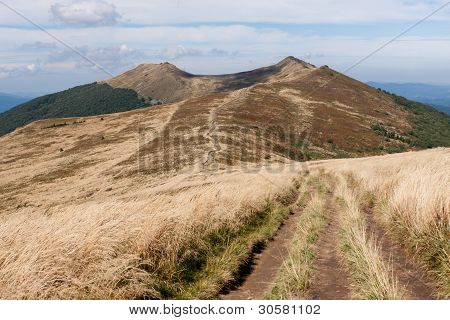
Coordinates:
(86, 100)
(431, 128)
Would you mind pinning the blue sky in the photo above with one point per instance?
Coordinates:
(212, 37)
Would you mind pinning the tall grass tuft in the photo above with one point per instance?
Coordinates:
(410, 193)
(372, 275)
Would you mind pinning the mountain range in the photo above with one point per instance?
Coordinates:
(7, 100)
(301, 111)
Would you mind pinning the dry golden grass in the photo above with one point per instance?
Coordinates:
(115, 249)
(372, 276)
(294, 277)
(77, 220)
(415, 184)
(411, 196)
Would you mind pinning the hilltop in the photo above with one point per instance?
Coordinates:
(168, 83)
(337, 115)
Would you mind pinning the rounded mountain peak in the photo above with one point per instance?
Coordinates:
(293, 61)
(165, 67)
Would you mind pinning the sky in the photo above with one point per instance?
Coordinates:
(39, 38)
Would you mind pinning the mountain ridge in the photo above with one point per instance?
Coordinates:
(335, 115)
(145, 85)
(177, 85)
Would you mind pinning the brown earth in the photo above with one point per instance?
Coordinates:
(166, 82)
(330, 280)
(263, 268)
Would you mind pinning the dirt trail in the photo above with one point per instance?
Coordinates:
(215, 145)
(266, 264)
(330, 280)
(409, 274)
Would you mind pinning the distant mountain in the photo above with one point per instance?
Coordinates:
(7, 101)
(436, 96)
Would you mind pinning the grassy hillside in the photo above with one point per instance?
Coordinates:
(431, 127)
(406, 194)
(86, 100)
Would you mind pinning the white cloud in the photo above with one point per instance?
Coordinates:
(280, 11)
(85, 13)
(16, 70)
(309, 56)
(38, 45)
(32, 67)
(113, 58)
(116, 58)
(223, 53)
(180, 51)
(177, 52)
(157, 12)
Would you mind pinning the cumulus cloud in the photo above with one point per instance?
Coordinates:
(31, 67)
(17, 70)
(178, 52)
(85, 13)
(281, 11)
(38, 45)
(312, 56)
(158, 12)
(115, 58)
(223, 53)
(112, 58)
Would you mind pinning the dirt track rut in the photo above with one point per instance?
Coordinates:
(330, 280)
(267, 263)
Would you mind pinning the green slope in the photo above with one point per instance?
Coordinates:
(431, 128)
(86, 100)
